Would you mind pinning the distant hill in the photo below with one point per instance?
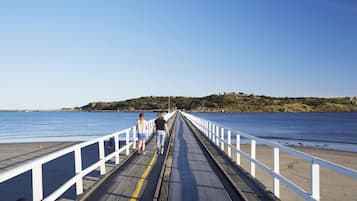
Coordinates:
(230, 102)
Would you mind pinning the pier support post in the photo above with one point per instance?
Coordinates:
(217, 136)
(315, 181)
(276, 167)
(252, 155)
(229, 143)
(37, 187)
(222, 139)
(116, 147)
(206, 128)
(78, 169)
(102, 156)
(209, 130)
(127, 142)
(213, 133)
(238, 148)
(134, 137)
(149, 129)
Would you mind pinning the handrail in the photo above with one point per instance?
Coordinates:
(36, 165)
(211, 131)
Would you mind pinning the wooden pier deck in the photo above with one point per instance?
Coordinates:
(190, 174)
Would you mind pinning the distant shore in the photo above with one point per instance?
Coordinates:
(230, 102)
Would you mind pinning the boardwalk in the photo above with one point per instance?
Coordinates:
(122, 184)
(190, 174)
(192, 178)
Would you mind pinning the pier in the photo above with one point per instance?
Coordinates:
(200, 162)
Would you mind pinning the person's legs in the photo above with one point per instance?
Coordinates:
(139, 145)
(158, 141)
(143, 146)
(162, 142)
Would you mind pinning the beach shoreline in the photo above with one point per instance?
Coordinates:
(333, 186)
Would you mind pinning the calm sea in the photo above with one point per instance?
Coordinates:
(324, 130)
(62, 126)
(327, 130)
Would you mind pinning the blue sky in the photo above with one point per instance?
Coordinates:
(67, 53)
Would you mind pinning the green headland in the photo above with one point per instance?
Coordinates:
(229, 102)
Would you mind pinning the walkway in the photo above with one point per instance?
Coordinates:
(192, 178)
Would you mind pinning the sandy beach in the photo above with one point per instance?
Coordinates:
(334, 186)
(13, 154)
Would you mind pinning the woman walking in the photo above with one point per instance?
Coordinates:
(141, 128)
(161, 130)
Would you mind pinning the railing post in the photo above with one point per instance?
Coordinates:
(315, 181)
(147, 133)
(127, 142)
(213, 133)
(222, 139)
(211, 130)
(102, 156)
(116, 148)
(252, 155)
(217, 136)
(229, 143)
(238, 148)
(78, 169)
(202, 125)
(37, 187)
(208, 129)
(149, 129)
(276, 167)
(134, 137)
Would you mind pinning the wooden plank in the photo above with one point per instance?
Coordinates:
(192, 178)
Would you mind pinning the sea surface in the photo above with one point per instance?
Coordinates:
(324, 130)
(63, 126)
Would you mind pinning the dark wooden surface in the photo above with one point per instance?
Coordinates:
(192, 178)
(248, 187)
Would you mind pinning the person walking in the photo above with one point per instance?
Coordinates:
(161, 130)
(141, 128)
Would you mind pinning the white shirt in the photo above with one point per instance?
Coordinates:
(141, 126)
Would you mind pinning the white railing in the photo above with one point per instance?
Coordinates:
(211, 131)
(36, 165)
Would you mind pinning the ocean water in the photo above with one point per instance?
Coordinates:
(324, 130)
(62, 126)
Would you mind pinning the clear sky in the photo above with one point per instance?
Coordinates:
(57, 54)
